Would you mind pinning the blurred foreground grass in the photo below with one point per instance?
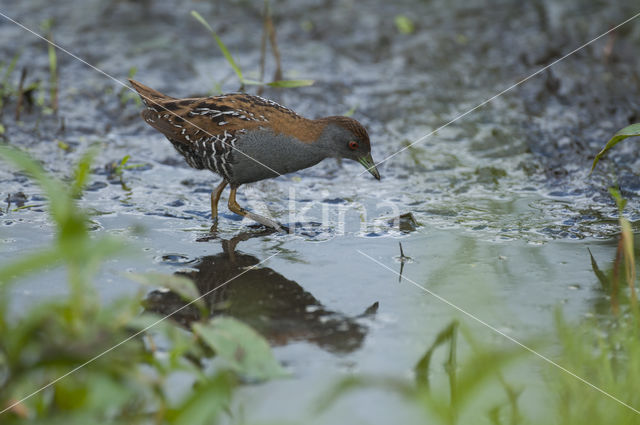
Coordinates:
(501, 383)
(73, 360)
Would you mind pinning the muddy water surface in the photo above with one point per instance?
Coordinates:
(504, 206)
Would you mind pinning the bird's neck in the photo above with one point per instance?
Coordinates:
(325, 142)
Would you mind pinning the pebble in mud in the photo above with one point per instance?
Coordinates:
(173, 259)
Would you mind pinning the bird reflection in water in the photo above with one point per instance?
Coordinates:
(279, 308)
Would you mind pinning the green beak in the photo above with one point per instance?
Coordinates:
(370, 165)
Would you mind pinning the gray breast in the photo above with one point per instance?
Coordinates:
(264, 154)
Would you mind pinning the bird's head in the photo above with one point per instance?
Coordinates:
(345, 137)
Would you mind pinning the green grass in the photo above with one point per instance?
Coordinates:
(7, 89)
(47, 27)
(404, 24)
(236, 68)
(459, 379)
(119, 168)
(22, 92)
(58, 345)
(481, 388)
(126, 95)
(629, 131)
(475, 380)
(608, 356)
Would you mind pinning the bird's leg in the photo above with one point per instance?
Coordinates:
(233, 206)
(215, 198)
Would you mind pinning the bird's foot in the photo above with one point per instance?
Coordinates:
(266, 221)
(214, 226)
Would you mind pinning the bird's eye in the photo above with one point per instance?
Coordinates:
(353, 145)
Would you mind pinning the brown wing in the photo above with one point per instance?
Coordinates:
(205, 129)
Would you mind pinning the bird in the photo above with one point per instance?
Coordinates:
(246, 138)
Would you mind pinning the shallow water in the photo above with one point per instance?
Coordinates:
(504, 205)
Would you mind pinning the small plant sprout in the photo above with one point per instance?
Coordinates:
(53, 65)
(6, 87)
(351, 111)
(630, 131)
(122, 165)
(404, 24)
(126, 94)
(116, 170)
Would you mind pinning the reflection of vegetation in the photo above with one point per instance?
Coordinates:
(74, 360)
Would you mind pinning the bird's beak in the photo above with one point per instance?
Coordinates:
(370, 165)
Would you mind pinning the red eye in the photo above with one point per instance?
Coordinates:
(353, 145)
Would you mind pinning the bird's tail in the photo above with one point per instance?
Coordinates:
(147, 94)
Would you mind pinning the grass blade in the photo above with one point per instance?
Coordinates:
(291, 83)
(6, 80)
(602, 278)
(82, 171)
(47, 26)
(629, 131)
(228, 56)
(253, 82)
(200, 19)
(221, 45)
